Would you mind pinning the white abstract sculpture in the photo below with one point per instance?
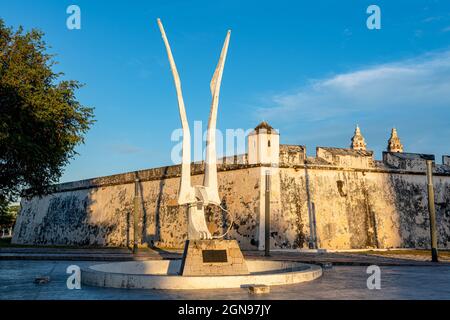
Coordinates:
(197, 197)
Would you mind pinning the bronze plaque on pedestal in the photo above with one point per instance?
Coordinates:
(214, 256)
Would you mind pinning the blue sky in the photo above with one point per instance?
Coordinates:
(310, 68)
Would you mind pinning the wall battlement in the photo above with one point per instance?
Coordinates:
(290, 156)
(446, 160)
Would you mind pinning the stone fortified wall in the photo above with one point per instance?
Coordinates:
(344, 201)
(99, 211)
(340, 199)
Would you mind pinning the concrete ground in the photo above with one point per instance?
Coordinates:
(340, 282)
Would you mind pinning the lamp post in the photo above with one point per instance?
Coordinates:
(136, 216)
(267, 216)
(432, 211)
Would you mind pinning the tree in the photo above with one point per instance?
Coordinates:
(41, 121)
(8, 216)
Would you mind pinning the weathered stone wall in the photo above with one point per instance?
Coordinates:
(292, 154)
(352, 209)
(364, 204)
(83, 217)
(99, 212)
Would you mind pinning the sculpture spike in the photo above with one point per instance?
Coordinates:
(186, 193)
(210, 177)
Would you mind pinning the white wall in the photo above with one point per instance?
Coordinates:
(261, 151)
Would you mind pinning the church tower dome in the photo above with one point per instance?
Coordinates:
(358, 142)
(394, 144)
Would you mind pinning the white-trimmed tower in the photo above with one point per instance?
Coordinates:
(263, 145)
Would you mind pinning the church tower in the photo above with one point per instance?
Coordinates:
(263, 145)
(394, 144)
(358, 142)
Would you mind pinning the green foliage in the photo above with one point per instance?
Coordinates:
(8, 214)
(41, 121)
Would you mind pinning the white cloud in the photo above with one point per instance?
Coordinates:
(423, 82)
(432, 19)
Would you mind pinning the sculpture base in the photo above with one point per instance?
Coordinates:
(212, 258)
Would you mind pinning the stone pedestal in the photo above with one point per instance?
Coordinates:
(212, 258)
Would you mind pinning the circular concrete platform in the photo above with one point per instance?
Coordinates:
(162, 274)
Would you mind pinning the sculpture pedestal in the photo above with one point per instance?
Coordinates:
(212, 258)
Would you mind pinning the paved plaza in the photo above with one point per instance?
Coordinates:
(340, 282)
